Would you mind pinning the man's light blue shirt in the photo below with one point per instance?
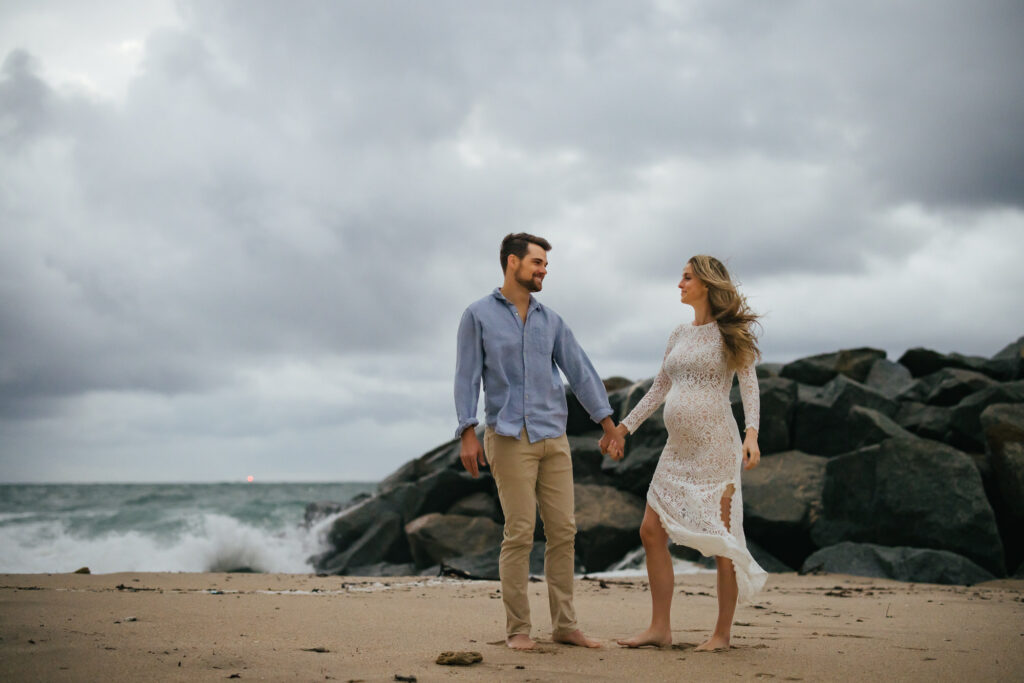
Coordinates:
(519, 365)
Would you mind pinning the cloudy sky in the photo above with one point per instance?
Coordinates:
(236, 237)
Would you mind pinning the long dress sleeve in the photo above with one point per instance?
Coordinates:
(655, 396)
(750, 396)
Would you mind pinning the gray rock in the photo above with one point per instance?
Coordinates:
(921, 565)
(435, 538)
(483, 566)
(1004, 435)
(445, 456)
(844, 416)
(910, 492)
(1003, 425)
(820, 369)
(782, 501)
(778, 397)
(634, 472)
(478, 504)
(814, 370)
(946, 387)
(322, 509)
(356, 542)
(929, 422)
(383, 569)
(1012, 358)
(966, 418)
(587, 460)
(888, 378)
(922, 362)
(579, 421)
(766, 370)
(766, 560)
(607, 523)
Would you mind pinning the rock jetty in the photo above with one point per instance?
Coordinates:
(911, 470)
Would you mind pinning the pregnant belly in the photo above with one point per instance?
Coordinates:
(693, 413)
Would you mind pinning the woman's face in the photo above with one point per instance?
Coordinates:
(692, 290)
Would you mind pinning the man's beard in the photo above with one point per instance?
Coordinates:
(529, 284)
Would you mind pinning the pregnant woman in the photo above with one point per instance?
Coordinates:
(694, 498)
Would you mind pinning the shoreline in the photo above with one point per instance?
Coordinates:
(203, 626)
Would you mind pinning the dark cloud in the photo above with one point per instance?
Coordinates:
(323, 186)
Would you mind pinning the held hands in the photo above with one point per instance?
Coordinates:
(751, 451)
(472, 453)
(613, 443)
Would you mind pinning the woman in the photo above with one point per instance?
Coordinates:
(694, 498)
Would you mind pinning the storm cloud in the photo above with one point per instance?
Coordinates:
(236, 237)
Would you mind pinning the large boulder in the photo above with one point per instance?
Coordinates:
(822, 368)
(445, 456)
(435, 538)
(888, 378)
(1012, 358)
(367, 533)
(922, 362)
(966, 418)
(843, 416)
(578, 421)
(587, 460)
(921, 565)
(929, 422)
(1003, 425)
(484, 565)
(782, 501)
(946, 387)
(315, 512)
(607, 524)
(634, 472)
(778, 398)
(909, 491)
(478, 504)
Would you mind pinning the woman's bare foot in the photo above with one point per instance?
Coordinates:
(649, 638)
(575, 638)
(520, 641)
(715, 643)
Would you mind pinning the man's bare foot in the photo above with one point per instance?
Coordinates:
(715, 643)
(520, 641)
(575, 638)
(649, 638)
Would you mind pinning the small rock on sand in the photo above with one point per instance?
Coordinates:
(459, 658)
(82, 570)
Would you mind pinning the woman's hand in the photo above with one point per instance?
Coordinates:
(751, 451)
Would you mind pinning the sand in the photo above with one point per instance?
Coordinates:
(283, 627)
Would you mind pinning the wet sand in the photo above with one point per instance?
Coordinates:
(276, 627)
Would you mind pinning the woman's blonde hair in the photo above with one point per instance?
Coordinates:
(730, 310)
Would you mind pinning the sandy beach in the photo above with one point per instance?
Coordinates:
(171, 627)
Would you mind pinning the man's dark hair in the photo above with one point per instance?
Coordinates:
(518, 243)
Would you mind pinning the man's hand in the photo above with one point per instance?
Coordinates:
(613, 443)
(751, 451)
(472, 453)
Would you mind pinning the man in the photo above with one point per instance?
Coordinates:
(516, 346)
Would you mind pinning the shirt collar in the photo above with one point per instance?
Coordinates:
(534, 304)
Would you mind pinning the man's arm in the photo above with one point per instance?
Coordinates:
(588, 387)
(469, 367)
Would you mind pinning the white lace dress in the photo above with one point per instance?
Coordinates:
(704, 453)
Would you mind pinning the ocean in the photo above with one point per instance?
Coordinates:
(162, 527)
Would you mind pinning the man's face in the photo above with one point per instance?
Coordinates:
(532, 268)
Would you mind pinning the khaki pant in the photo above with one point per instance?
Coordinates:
(527, 475)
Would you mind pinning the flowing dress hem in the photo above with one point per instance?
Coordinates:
(750, 577)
